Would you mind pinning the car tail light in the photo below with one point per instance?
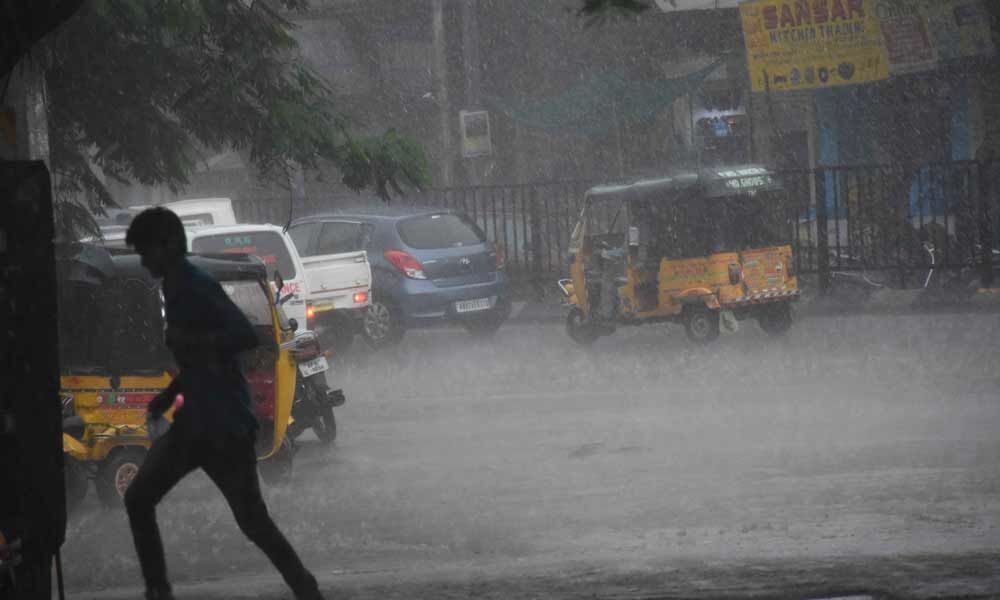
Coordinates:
(499, 249)
(735, 274)
(360, 297)
(406, 264)
(310, 312)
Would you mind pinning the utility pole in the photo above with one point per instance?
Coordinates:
(472, 63)
(441, 90)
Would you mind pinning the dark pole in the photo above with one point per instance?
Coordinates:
(822, 234)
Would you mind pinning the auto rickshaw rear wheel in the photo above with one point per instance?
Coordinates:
(578, 329)
(116, 474)
(701, 324)
(277, 470)
(775, 319)
(77, 482)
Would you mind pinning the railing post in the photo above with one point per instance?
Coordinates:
(534, 212)
(988, 198)
(822, 234)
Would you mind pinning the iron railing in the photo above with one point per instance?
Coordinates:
(876, 218)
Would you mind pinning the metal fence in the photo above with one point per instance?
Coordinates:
(876, 218)
(531, 224)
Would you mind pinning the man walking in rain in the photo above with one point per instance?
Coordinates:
(215, 429)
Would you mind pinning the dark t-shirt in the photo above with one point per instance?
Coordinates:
(216, 395)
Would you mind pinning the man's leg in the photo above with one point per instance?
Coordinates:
(233, 468)
(165, 464)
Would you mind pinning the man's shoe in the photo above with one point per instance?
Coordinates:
(309, 589)
(159, 594)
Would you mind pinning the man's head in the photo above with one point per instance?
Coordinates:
(157, 234)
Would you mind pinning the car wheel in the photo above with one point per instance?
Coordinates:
(116, 474)
(702, 324)
(776, 319)
(578, 330)
(381, 325)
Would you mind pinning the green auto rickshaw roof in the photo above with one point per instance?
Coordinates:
(715, 182)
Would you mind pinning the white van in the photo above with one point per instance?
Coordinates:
(196, 212)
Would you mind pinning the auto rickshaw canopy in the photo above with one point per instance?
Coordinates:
(707, 183)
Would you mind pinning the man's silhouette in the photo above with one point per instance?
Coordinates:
(215, 429)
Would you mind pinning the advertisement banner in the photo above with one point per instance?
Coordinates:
(810, 44)
(958, 28)
(908, 44)
(920, 34)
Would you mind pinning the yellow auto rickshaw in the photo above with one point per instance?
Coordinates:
(114, 362)
(704, 249)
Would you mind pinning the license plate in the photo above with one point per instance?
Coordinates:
(316, 365)
(465, 306)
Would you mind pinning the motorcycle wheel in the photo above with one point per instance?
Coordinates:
(326, 429)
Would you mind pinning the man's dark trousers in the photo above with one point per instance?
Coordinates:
(231, 463)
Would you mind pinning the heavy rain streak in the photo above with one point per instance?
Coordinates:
(549, 298)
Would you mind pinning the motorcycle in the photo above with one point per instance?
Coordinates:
(314, 400)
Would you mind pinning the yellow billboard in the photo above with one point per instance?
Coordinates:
(810, 44)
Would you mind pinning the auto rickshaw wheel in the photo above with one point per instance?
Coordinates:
(77, 483)
(277, 470)
(578, 329)
(116, 474)
(775, 319)
(701, 324)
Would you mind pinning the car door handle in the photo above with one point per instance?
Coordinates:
(359, 259)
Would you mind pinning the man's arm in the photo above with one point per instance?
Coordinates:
(161, 402)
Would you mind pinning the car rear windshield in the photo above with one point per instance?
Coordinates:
(439, 231)
(266, 245)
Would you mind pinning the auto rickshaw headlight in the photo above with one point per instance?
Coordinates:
(735, 274)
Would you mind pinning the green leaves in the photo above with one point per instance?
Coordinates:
(384, 164)
(163, 83)
(598, 10)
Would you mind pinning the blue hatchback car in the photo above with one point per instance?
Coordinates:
(428, 266)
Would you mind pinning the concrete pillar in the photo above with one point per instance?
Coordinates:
(25, 132)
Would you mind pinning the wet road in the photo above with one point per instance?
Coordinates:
(851, 437)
